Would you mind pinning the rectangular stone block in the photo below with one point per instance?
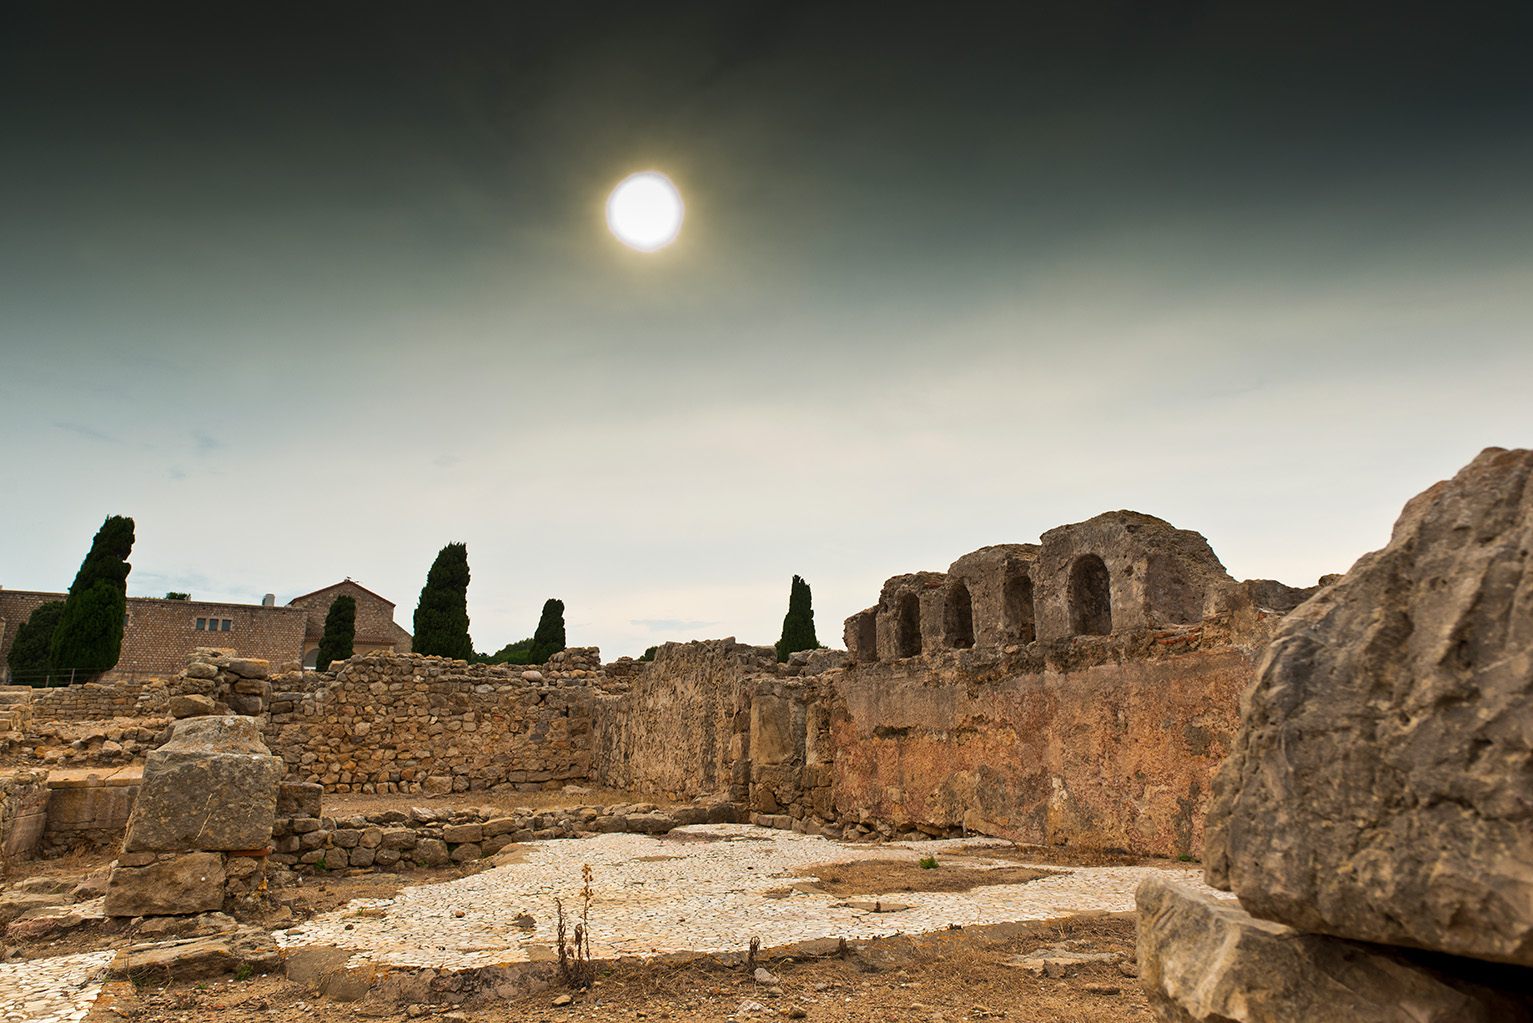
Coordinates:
(1203, 959)
(299, 799)
(193, 883)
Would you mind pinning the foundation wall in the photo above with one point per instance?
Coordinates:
(86, 814)
(23, 813)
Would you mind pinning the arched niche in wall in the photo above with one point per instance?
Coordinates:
(1090, 597)
(907, 625)
(1017, 604)
(866, 636)
(958, 619)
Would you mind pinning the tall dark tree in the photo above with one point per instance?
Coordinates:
(441, 616)
(548, 639)
(798, 623)
(28, 658)
(340, 630)
(88, 637)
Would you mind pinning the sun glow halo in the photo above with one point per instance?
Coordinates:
(644, 211)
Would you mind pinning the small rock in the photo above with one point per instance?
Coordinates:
(796, 1012)
(764, 976)
(562, 1000)
(1056, 969)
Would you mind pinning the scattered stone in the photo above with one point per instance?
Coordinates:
(764, 976)
(199, 958)
(562, 1000)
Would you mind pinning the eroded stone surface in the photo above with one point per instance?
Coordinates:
(193, 883)
(212, 786)
(1381, 786)
(1204, 960)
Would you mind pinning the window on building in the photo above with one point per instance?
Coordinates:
(225, 626)
(202, 623)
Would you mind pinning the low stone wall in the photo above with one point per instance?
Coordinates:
(100, 701)
(399, 841)
(87, 814)
(23, 812)
(407, 723)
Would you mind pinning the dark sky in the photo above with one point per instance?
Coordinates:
(333, 281)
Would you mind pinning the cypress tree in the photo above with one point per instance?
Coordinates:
(28, 658)
(89, 632)
(798, 623)
(548, 639)
(340, 630)
(441, 616)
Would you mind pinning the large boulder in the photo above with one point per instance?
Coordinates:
(1205, 960)
(1381, 786)
(212, 786)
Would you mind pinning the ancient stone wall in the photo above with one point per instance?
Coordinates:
(678, 729)
(406, 723)
(1117, 755)
(101, 701)
(87, 813)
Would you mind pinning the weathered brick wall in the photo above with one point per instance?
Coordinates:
(389, 722)
(161, 634)
(16, 606)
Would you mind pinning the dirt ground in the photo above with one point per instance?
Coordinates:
(947, 977)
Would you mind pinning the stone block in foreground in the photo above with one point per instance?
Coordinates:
(213, 786)
(193, 883)
(1204, 960)
(1380, 787)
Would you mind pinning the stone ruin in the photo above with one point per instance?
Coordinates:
(1118, 573)
(1375, 817)
(1368, 803)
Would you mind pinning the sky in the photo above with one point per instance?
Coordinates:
(310, 292)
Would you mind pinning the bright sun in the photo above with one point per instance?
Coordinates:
(644, 211)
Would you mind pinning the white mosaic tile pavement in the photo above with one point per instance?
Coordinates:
(60, 989)
(701, 889)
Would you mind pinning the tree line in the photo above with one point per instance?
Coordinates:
(80, 637)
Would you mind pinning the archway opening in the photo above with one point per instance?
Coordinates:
(958, 622)
(907, 626)
(1090, 597)
(1017, 598)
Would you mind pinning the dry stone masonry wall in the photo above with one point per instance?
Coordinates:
(407, 723)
